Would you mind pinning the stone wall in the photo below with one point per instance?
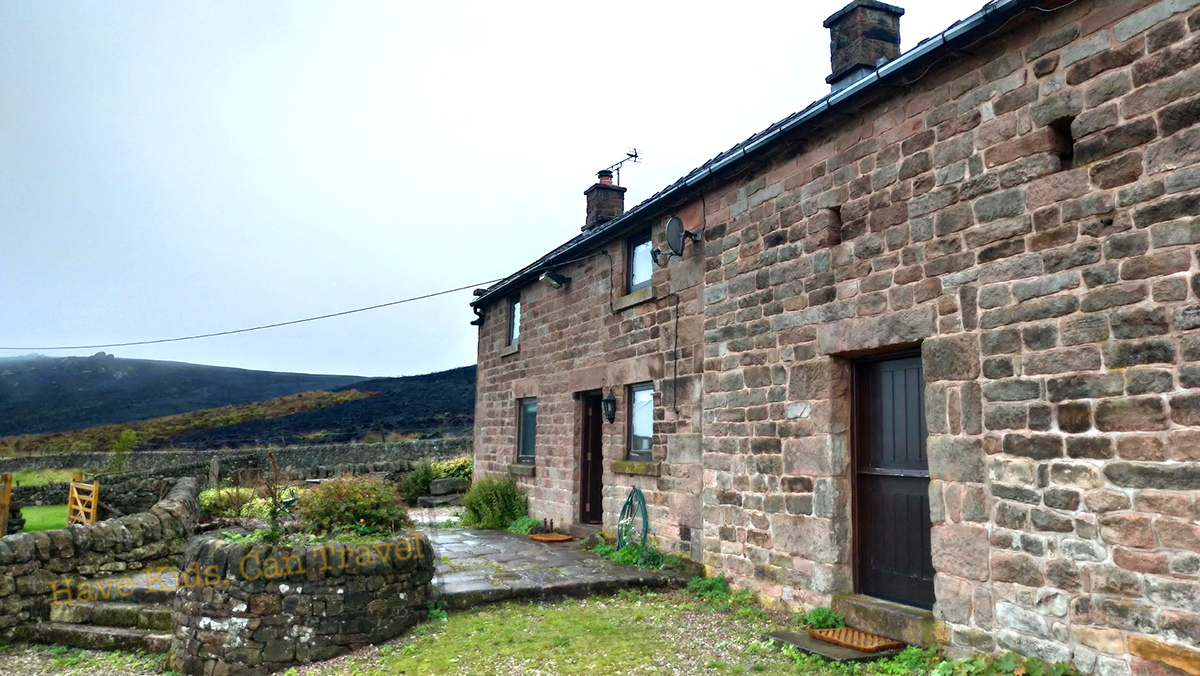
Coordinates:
(331, 455)
(133, 491)
(1025, 213)
(313, 455)
(270, 607)
(31, 562)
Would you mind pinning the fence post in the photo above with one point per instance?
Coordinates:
(214, 472)
(6, 482)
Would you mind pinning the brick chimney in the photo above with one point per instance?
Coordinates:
(862, 36)
(605, 201)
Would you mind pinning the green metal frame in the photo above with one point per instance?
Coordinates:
(634, 504)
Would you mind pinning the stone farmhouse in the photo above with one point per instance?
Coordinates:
(930, 352)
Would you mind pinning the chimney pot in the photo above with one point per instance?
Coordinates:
(863, 36)
(605, 201)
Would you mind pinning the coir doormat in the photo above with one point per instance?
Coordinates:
(856, 639)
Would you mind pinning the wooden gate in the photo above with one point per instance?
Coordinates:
(83, 501)
(6, 482)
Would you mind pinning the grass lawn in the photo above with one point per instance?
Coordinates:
(631, 633)
(47, 517)
(41, 477)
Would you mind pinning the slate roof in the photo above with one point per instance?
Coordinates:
(982, 24)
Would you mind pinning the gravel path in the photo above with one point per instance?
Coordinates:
(21, 660)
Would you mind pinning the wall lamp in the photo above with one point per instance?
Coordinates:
(609, 404)
(554, 280)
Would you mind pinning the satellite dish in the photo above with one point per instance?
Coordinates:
(676, 235)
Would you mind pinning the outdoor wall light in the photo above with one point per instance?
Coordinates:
(609, 404)
(553, 279)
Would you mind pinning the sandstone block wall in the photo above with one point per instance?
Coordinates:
(1024, 212)
(590, 335)
(265, 608)
(30, 562)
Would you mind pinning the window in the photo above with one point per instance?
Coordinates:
(641, 421)
(526, 430)
(639, 262)
(514, 321)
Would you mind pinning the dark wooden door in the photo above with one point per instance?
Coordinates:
(892, 476)
(591, 464)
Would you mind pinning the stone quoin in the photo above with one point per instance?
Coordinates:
(937, 343)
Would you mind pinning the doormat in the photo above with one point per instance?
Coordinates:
(550, 537)
(856, 639)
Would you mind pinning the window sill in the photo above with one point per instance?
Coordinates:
(508, 350)
(636, 298)
(519, 469)
(637, 468)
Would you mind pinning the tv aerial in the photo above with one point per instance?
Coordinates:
(631, 155)
(677, 236)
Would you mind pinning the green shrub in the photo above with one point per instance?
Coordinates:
(227, 502)
(361, 504)
(124, 443)
(493, 503)
(461, 467)
(715, 594)
(648, 556)
(416, 482)
(238, 503)
(822, 618)
(1007, 664)
(524, 525)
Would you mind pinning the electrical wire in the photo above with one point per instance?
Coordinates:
(257, 328)
(299, 321)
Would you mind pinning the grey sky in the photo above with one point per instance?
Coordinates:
(187, 167)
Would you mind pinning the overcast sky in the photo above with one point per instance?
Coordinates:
(187, 167)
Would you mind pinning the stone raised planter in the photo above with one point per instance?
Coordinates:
(255, 609)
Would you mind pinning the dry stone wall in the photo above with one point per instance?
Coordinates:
(299, 456)
(30, 563)
(256, 609)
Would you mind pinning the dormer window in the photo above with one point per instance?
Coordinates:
(640, 262)
(514, 321)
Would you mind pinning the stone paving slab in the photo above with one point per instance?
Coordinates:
(477, 567)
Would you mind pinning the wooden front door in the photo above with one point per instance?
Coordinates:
(892, 481)
(591, 462)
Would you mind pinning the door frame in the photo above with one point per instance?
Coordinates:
(590, 403)
(855, 492)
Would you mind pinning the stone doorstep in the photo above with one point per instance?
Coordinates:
(102, 638)
(128, 615)
(588, 534)
(912, 625)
